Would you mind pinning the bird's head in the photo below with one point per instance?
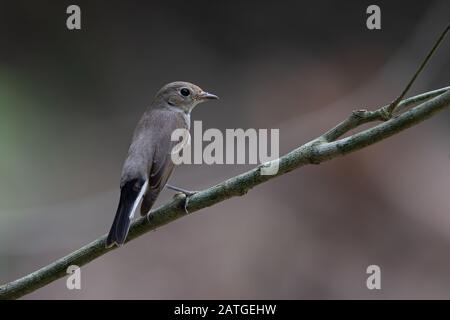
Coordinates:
(183, 95)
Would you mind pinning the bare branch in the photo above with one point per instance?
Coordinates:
(359, 117)
(313, 152)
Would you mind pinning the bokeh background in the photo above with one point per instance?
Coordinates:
(69, 101)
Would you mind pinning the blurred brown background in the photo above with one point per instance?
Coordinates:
(69, 101)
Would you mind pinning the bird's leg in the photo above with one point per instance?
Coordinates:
(187, 193)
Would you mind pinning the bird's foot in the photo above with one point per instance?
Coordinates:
(187, 193)
(187, 197)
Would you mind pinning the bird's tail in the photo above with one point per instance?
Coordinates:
(131, 194)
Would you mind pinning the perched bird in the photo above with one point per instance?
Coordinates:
(149, 165)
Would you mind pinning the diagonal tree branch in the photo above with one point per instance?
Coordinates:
(314, 152)
(360, 117)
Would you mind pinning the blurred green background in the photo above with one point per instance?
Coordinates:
(69, 101)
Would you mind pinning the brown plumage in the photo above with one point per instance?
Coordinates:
(148, 165)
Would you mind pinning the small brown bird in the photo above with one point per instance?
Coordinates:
(149, 165)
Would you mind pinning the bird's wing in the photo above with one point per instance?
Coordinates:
(162, 164)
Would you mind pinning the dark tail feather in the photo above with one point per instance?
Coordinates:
(130, 194)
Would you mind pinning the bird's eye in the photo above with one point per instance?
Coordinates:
(185, 92)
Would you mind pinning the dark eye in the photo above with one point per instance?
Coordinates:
(185, 92)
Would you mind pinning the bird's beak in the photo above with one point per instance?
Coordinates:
(208, 96)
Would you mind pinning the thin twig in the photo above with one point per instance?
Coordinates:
(359, 117)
